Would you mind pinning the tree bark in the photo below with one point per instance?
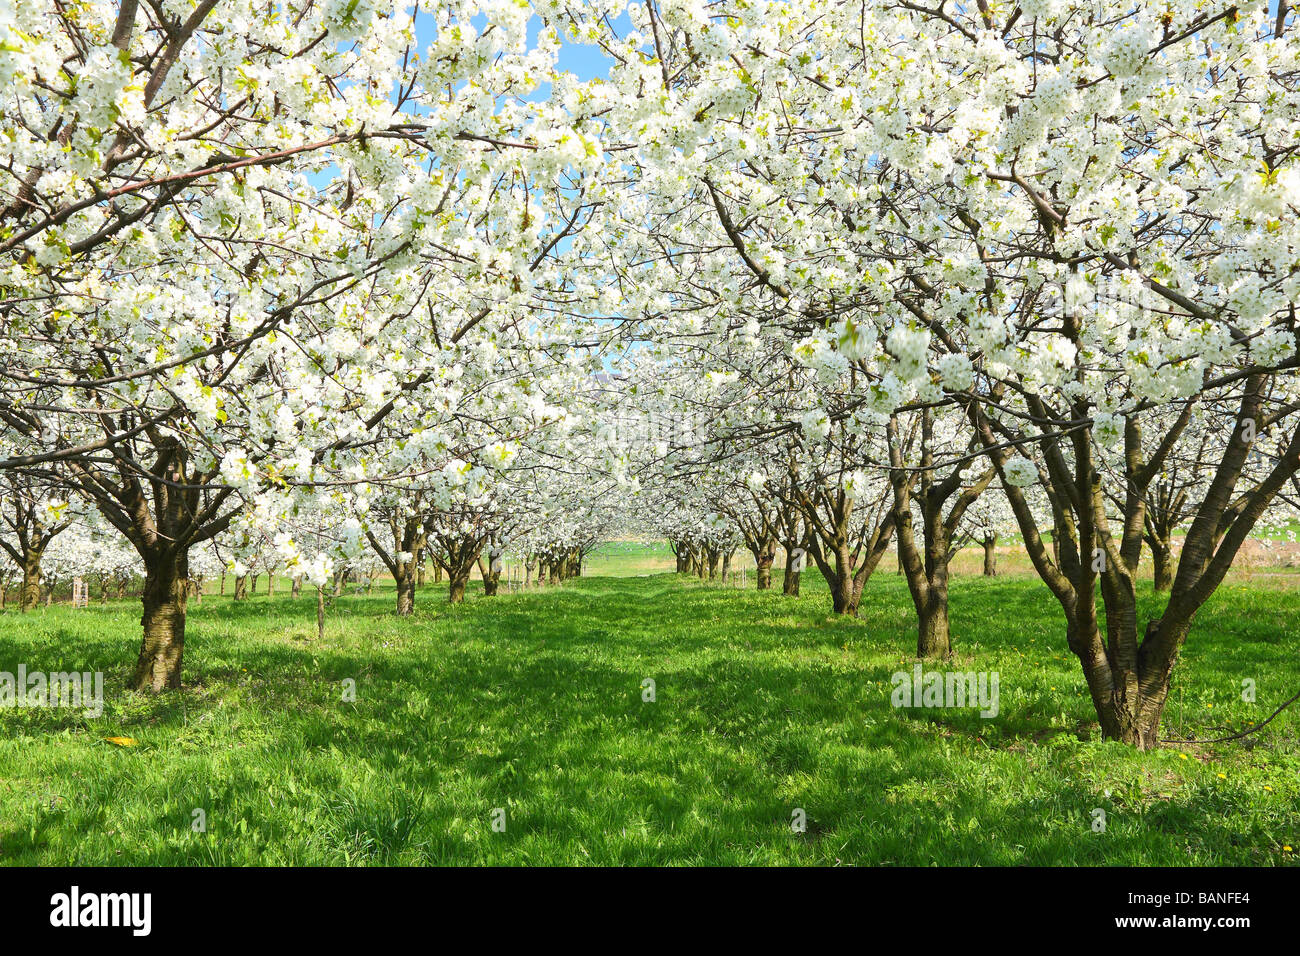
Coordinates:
(790, 584)
(842, 597)
(491, 579)
(933, 640)
(1129, 699)
(1162, 557)
(405, 592)
(31, 588)
(456, 592)
(1128, 678)
(926, 565)
(163, 646)
(927, 581)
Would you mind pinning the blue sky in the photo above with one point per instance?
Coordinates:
(584, 60)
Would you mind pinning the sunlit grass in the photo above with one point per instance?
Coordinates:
(532, 702)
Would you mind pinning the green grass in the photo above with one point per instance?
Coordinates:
(635, 559)
(532, 702)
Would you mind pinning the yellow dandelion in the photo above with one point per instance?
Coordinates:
(1223, 776)
(1182, 756)
(1286, 849)
(121, 741)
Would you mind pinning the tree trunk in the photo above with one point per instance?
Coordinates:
(842, 598)
(163, 646)
(456, 592)
(1129, 699)
(295, 589)
(1134, 722)
(320, 612)
(491, 579)
(933, 641)
(790, 585)
(405, 591)
(764, 570)
(31, 590)
(844, 580)
(1162, 556)
(241, 587)
(990, 556)
(927, 578)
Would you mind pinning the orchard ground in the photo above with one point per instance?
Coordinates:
(532, 703)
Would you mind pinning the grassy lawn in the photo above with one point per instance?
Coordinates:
(532, 702)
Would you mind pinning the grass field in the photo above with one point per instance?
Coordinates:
(532, 703)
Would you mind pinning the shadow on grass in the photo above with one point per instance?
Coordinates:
(532, 702)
